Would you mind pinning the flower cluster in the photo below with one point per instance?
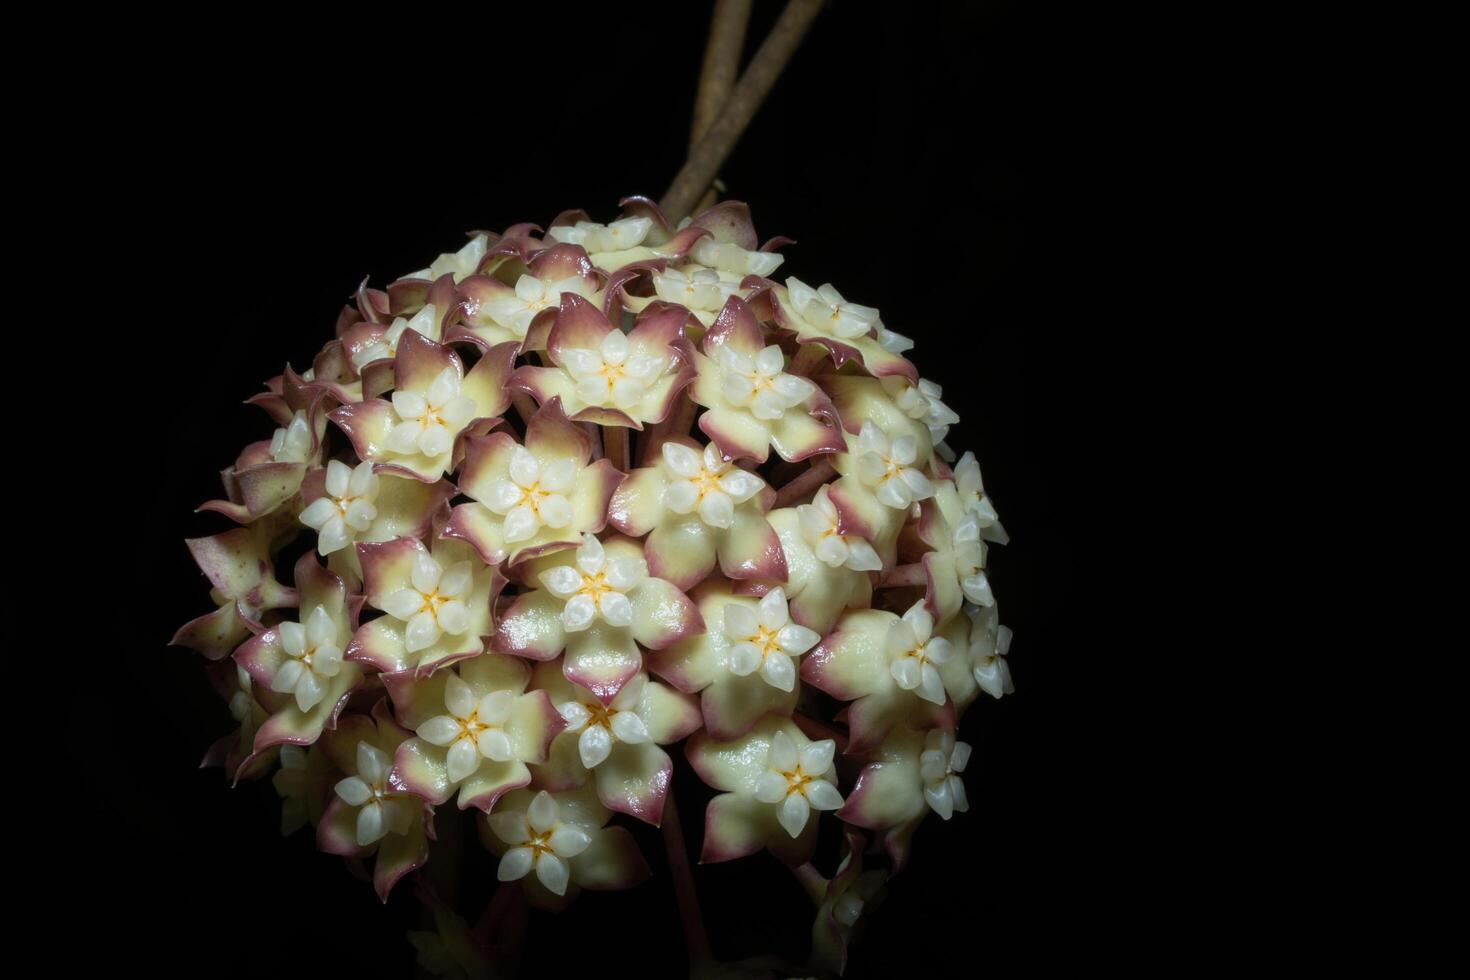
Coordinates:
(568, 501)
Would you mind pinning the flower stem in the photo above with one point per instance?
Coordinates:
(615, 445)
(714, 148)
(811, 881)
(904, 575)
(803, 486)
(502, 928)
(718, 73)
(696, 939)
(525, 406)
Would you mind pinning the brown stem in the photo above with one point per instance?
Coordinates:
(804, 485)
(593, 433)
(696, 940)
(717, 75)
(721, 64)
(502, 927)
(904, 575)
(679, 422)
(615, 445)
(713, 149)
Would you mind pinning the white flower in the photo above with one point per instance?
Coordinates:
(819, 526)
(542, 841)
(969, 560)
(940, 764)
(972, 495)
(600, 726)
(893, 343)
(922, 403)
(531, 296)
(767, 641)
(915, 654)
(731, 258)
(423, 322)
(608, 376)
(694, 289)
(888, 467)
(242, 702)
(346, 509)
(429, 422)
(435, 602)
(989, 644)
(473, 729)
(706, 483)
(462, 263)
(383, 811)
(827, 312)
(312, 656)
(292, 444)
(759, 383)
(534, 496)
(619, 236)
(594, 586)
(798, 781)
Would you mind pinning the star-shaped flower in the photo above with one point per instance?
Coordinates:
(752, 403)
(599, 604)
(697, 507)
(770, 780)
(477, 729)
(605, 376)
(437, 603)
(535, 499)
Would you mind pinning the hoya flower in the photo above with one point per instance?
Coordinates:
(522, 310)
(476, 729)
(890, 406)
(603, 375)
(234, 751)
(889, 667)
(558, 843)
(890, 467)
(607, 244)
(268, 474)
(771, 779)
(699, 290)
(752, 403)
(989, 644)
(345, 505)
(302, 782)
(731, 259)
(733, 698)
(535, 499)
(940, 765)
(437, 604)
(847, 330)
(922, 403)
(434, 401)
(889, 795)
(368, 814)
(817, 592)
(954, 568)
(239, 566)
(599, 604)
(852, 894)
(376, 342)
(302, 661)
(460, 264)
(697, 507)
(821, 528)
(617, 742)
(971, 490)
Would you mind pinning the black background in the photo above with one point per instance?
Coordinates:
(909, 150)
